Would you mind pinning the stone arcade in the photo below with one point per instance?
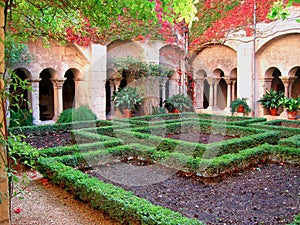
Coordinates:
(70, 76)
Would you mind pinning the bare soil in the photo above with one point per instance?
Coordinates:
(266, 194)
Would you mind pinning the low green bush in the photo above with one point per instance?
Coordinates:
(83, 113)
(286, 128)
(20, 118)
(293, 141)
(80, 148)
(120, 205)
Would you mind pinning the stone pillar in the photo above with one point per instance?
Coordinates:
(233, 94)
(163, 87)
(229, 94)
(58, 96)
(215, 86)
(199, 87)
(210, 81)
(77, 83)
(287, 83)
(35, 100)
(4, 205)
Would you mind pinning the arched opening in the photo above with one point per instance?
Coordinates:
(46, 97)
(68, 90)
(222, 94)
(277, 84)
(16, 90)
(108, 98)
(206, 94)
(296, 85)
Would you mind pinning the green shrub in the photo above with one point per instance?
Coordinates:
(20, 118)
(83, 113)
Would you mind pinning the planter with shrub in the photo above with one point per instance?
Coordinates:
(272, 101)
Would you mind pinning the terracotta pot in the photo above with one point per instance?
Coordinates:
(292, 115)
(273, 112)
(240, 109)
(127, 113)
(175, 111)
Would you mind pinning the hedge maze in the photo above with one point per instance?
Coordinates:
(253, 141)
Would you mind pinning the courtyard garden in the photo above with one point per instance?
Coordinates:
(184, 168)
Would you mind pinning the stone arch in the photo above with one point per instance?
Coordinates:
(170, 57)
(220, 95)
(46, 94)
(277, 83)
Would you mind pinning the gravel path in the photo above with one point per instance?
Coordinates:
(47, 204)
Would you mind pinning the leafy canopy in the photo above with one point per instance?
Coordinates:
(93, 20)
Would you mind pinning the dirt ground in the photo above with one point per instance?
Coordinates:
(267, 194)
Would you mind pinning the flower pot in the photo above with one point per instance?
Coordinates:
(175, 111)
(240, 109)
(127, 113)
(292, 115)
(273, 112)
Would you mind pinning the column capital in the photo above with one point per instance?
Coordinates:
(58, 82)
(33, 80)
(211, 80)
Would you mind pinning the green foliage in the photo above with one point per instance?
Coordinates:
(139, 69)
(240, 101)
(296, 220)
(20, 118)
(179, 102)
(83, 113)
(21, 152)
(279, 10)
(291, 104)
(106, 22)
(127, 98)
(272, 99)
(16, 51)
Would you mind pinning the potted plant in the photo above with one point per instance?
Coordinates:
(240, 105)
(178, 103)
(272, 100)
(291, 105)
(127, 99)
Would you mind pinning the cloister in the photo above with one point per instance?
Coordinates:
(65, 76)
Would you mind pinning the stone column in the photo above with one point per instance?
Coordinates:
(163, 87)
(233, 94)
(215, 85)
(229, 94)
(211, 82)
(77, 84)
(58, 96)
(199, 87)
(287, 83)
(35, 100)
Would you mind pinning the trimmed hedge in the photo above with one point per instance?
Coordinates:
(143, 136)
(121, 205)
(43, 129)
(69, 150)
(293, 141)
(275, 125)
